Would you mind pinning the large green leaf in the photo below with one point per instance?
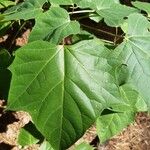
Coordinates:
(110, 125)
(28, 9)
(135, 53)
(63, 88)
(111, 10)
(54, 25)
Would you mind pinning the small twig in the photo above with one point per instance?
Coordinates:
(108, 33)
(115, 39)
(81, 11)
(86, 16)
(118, 38)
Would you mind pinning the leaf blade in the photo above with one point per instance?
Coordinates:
(54, 83)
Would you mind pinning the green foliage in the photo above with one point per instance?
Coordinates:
(65, 88)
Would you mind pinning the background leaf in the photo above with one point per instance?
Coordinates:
(54, 25)
(5, 74)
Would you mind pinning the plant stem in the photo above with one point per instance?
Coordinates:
(108, 33)
(115, 39)
(81, 11)
(86, 16)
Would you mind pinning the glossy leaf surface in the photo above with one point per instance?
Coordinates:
(63, 88)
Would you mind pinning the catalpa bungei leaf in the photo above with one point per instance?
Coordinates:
(63, 88)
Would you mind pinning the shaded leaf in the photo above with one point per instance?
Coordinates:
(121, 73)
(5, 59)
(5, 78)
(5, 74)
